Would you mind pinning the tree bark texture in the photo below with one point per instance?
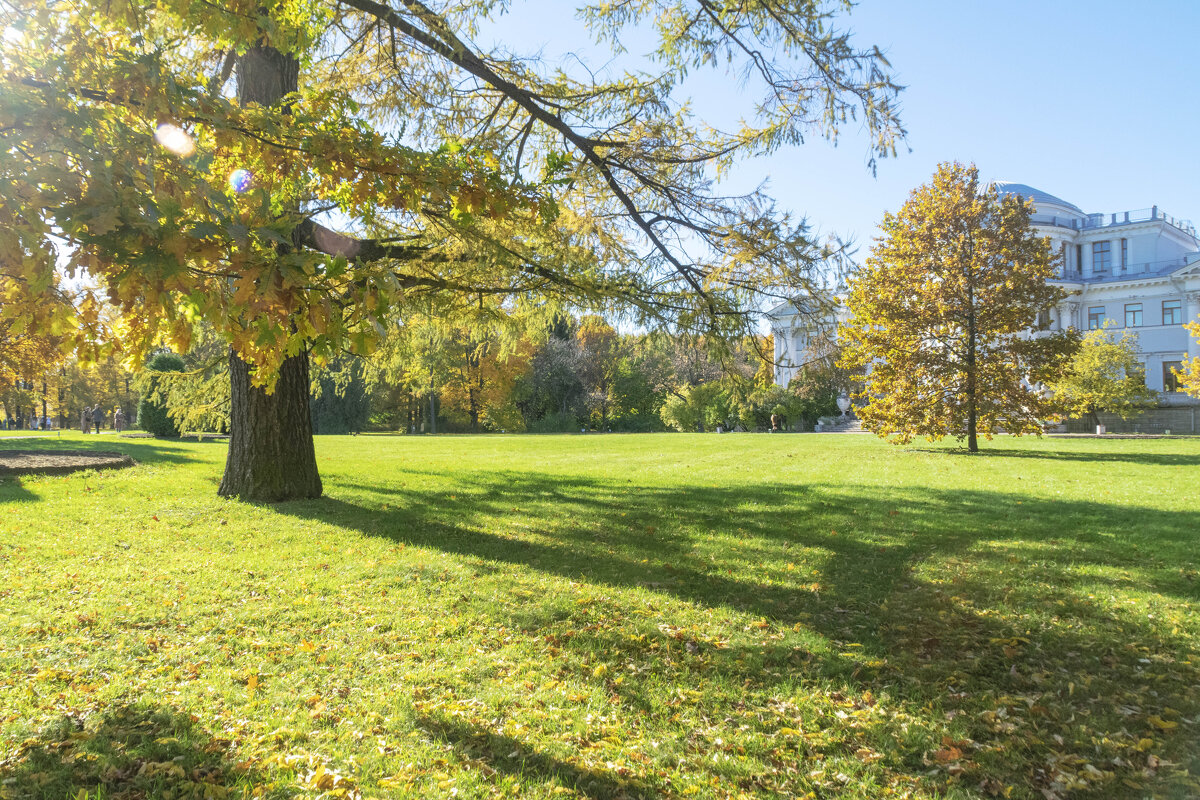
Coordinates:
(475, 392)
(265, 76)
(972, 366)
(271, 455)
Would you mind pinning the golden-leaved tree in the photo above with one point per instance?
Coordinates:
(464, 364)
(193, 159)
(1189, 376)
(480, 380)
(1105, 374)
(31, 333)
(940, 316)
(24, 357)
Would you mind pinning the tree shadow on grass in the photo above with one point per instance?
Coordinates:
(632, 535)
(13, 490)
(1089, 456)
(131, 751)
(655, 537)
(496, 753)
(978, 604)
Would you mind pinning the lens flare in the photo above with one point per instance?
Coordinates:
(239, 180)
(175, 139)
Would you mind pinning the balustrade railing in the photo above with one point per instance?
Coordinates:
(1128, 270)
(1117, 218)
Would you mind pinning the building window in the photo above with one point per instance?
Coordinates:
(1095, 317)
(1124, 252)
(1133, 315)
(1101, 256)
(1043, 320)
(1139, 372)
(1079, 258)
(1172, 312)
(1170, 379)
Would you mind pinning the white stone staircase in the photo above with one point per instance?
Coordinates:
(846, 424)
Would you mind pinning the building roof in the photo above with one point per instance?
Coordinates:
(804, 307)
(1037, 195)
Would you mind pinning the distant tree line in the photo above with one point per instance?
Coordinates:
(60, 388)
(578, 374)
(572, 374)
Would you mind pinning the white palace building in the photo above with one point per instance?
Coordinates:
(1136, 270)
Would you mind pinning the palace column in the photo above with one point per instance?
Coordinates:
(1069, 315)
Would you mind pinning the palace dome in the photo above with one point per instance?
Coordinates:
(1038, 197)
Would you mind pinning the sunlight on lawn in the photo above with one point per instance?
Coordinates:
(608, 616)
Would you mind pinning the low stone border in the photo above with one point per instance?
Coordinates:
(183, 437)
(58, 462)
(1120, 435)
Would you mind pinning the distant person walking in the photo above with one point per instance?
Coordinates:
(85, 419)
(97, 417)
(119, 420)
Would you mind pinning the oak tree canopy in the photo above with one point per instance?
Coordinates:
(941, 317)
(298, 173)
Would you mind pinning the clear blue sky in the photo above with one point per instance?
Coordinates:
(1095, 102)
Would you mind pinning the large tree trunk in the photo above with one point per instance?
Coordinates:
(265, 76)
(271, 454)
(972, 369)
(972, 429)
(475, 392)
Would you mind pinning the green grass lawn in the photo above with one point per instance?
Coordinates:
(607, 617)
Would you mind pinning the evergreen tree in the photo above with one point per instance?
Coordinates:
(153, 416)
(340, 401)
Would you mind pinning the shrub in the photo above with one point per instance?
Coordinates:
(556, 423)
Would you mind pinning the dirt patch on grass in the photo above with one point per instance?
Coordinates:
(58, 462)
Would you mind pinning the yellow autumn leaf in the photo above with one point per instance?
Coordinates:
(103, 223)
(947, 755)
(177, 246)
